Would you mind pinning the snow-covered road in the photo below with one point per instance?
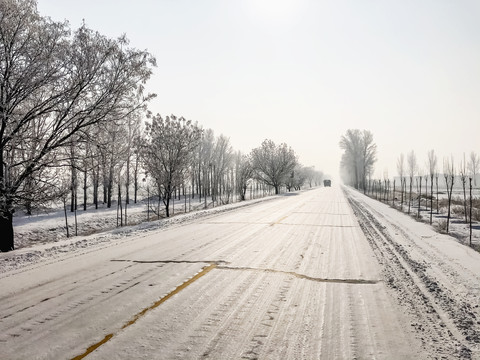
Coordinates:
(296, 277)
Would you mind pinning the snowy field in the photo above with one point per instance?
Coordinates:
(458, 226)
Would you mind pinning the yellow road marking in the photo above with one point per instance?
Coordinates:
(279, 220)
(144, 311)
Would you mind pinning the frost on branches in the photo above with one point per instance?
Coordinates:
(56, 84)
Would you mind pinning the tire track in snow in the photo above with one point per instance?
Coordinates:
(440, 317)
(56, 291)
(62, 304)
(139, 315)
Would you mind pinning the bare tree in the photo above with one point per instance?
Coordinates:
(358, 158)
(222, 160)
(310, 175)
(419, 196)
(463, 179)
(449, 174)
(64, 82)
(473, 166)
(368, 156)
(205, 163)
(133, 125)
(350, 165)
(471, 205)
(167, 152)
(297, 178)
(401, 174)
(244, 173)
(273, 163)
(432, 169)
(412, 169)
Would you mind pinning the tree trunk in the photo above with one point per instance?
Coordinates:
(410, 196)
(85, 190)
(127, 182)
(73, 187)
(393, 197)
(105, 191)
(110, 188)
(167, 206)
(401, 191)
(471, 212)
(66, 218)
(75, 211)
(119, 205)
(95, 188)
(420, 198)
(6, 229)
(431, 199)
(449, 195)
(464, 182)
(135, 181)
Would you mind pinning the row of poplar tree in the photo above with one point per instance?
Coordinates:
(73, 107)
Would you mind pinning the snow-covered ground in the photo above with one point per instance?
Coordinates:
(458, 227)
(327, 273)
(42, 237)
(49, 225)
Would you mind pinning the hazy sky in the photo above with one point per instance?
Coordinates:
(305, 71)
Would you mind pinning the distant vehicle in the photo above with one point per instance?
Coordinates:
(327, 183)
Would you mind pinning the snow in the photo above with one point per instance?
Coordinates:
(49, 225)
(42, 237)
(457, 226)
(320, 274)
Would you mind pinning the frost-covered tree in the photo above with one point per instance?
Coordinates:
(318, 178)
(60, 83)
(401, 174)
(463, 178)
(205, 161)
(309, 173)
(432, 170)
(167, 153)
(419, 190)
(473, 166)
(412, 168)
(350, 165)
(449, 174)
(222, 162)
(359, 157)
(273, 164)
(244, 173)
(133, 126)
(297, 178)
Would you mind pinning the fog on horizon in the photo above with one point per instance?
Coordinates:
(303, 72)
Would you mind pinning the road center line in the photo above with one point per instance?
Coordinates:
(279, 220)
(179, 288)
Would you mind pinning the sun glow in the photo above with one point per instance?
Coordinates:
(273, 11)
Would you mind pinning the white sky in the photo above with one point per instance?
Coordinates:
(305, 71)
